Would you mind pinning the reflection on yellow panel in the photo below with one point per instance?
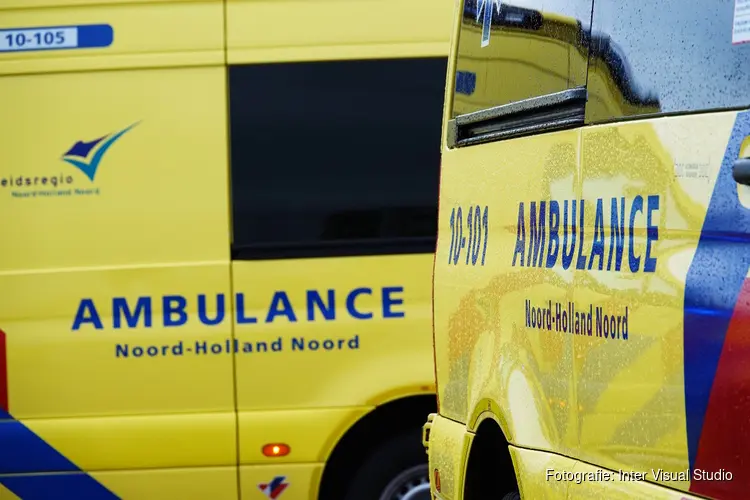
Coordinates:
(480, 308)
(590, 482)
(541, 475)
(449, 447)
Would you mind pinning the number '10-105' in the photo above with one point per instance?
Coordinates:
(477, 226)
(46, 38)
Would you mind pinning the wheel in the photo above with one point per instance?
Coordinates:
(395, 470)
(512, 496)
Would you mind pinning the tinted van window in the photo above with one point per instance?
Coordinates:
(336, 157)
(515, 50)
(678, 56)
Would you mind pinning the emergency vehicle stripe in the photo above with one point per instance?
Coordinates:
(725, 439)
(75, 486)
(3, 378)
(29, 466)
(32, 469)
(712, 291)
(24, 452)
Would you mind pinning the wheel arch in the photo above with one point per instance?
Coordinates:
(352, 448)
(489, 453)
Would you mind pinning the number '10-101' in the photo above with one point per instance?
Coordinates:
(477, 226)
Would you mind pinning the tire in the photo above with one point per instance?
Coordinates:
(395, 470)
(512, 496)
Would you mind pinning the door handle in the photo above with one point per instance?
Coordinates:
(741, 171)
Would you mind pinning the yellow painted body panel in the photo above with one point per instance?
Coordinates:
(610, 398)
(471, 325)
(305, 477)
(618, 404)
(157, 34)
(326, 385)
(616, 486)
(189, 483)
(305, 30)
(136, 179)
(311, 433)
(6, 494)
(535, 472)
(101, 367)
(638, 420)
(449, 446)
(351, 378)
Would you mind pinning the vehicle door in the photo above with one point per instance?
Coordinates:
(505, 265)
(661, 384)
(335, 132)
(114, 263)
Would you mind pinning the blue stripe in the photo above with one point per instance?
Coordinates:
(32, 469)
(95, 35)
(713, 283)
(77, 486)
(276, 482)
(25, 453)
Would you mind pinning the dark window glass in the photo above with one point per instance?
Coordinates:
(668, 56)
(335, 157)
(509, 52)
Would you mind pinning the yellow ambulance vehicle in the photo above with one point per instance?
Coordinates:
(217, 227)
(591, 284)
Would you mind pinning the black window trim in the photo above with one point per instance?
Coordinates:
(336, 248)
(536, 115)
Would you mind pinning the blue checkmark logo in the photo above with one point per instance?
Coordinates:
(87, 156)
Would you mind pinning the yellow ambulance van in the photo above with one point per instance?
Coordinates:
(591, 283)
(217, 228)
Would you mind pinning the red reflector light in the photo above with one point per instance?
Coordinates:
(276, 450)
(437, 481)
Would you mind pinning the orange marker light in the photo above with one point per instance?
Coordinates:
(276, 450)
(437, 481)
